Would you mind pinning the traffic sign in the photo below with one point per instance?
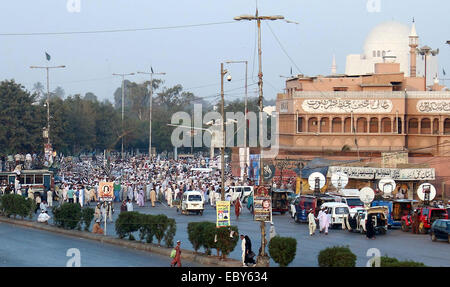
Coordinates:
(339, 180)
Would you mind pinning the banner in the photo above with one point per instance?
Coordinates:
(106, 191)
(223, 213)
(262, 204)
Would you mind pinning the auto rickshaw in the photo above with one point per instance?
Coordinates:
(280, 202)
(379, 214)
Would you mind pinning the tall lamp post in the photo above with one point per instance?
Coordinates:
(258, 19)
(245, 110)
(123, 105)
(426, 51)
(222, 150)
(48, 95)
(151, 107)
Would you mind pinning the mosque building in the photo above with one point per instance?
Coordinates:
(383, 112)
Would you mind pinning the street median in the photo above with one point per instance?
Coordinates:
(186, 255)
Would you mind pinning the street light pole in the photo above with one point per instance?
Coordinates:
(426, 51)
(222, 150)
(260, 85)
(48, 95)
(245, 112)
(150, 113)
(123, 105)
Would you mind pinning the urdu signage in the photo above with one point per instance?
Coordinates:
(433, 106)
(378, 173)
(347, 106)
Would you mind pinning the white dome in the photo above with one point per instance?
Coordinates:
(390, 35)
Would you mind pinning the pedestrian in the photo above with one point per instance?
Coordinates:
(237, 208)
(415, 222)
(249, 254)
(70, 194)
(370, 231)
(123, 207)
(243, 249)
(110, 211)
(153, 197)
(272, 232)
(38, 202)
(43, 217)
(141, 198)
(169, 196)
(324, 221)
(43, 206)
(50, 197)
(96, 228)
(177, 259)
(312, 222)
(97, 212)
(129, 205)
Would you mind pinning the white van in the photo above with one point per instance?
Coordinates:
(241, 192)
(339, 211)
(192, 201)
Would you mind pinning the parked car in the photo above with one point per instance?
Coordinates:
(241, 192)
(427, 215)
(192, 201)
(440, 229)
(397, 209)
(300, 207)
(338, 211)
(280, 201)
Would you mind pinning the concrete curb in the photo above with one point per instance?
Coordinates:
(187, 255)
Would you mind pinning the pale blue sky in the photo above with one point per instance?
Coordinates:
(192, 56)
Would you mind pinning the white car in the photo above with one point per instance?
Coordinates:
(338, 211)
(192, 201)
(241, 192)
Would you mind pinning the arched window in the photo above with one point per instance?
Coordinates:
(425, 126)
(413, 126)
(325, 125)
(447, 126)
(348, 125)
(337, 125)
(300, 124)
(373, 125)
(361, 125)
(386, 125)
(436, 126)
(313, 125)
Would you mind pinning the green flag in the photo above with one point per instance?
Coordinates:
(47, 56)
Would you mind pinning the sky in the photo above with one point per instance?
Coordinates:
(191, 56)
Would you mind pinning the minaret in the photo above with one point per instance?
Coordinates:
(413, 43)
(333, 66)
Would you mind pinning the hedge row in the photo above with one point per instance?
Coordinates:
(337, 256)
(149, 227)
(283, 250)
(205, 234)
(72, 216)
(16, 205)
(394, 262)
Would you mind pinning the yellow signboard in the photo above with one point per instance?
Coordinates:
(223, 213)
(106, 191)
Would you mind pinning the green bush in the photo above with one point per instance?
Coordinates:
(67, 215)
(202, 234)
(16, 205)
(225, 244)
(282, 250)
(386, 261)
(127, 223)
(337, 256)
(147, 227)
(170, 232)
(160, 227)
(87, 214)
(195, 234)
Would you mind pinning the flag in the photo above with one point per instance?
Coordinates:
(47, 56)
(151, 68)
(443, 71)
(291, 71)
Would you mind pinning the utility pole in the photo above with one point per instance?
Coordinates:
(150, 113)
(48, 95)
(123, 104)
(260, 85)
(222, 150)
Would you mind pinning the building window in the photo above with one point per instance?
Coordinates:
(299, 124)
(340, 89)
(378, 54)
(374, 53)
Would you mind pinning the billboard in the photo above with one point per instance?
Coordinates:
(262, 204)
(223, 213)
(106, 191)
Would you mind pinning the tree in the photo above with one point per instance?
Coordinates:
(58, 92)
(90, 97)
(38, 88)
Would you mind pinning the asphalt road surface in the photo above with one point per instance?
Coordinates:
(26, 247)
(398, 244)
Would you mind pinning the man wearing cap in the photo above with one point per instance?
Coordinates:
(177, 259)
(43, 217)
(312, 222)
(96, 228)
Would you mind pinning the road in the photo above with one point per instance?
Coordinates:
(398, 244)
(26, 247)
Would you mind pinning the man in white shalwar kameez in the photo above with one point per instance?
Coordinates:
(323, 221)
(243, 249)
(312, 222)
